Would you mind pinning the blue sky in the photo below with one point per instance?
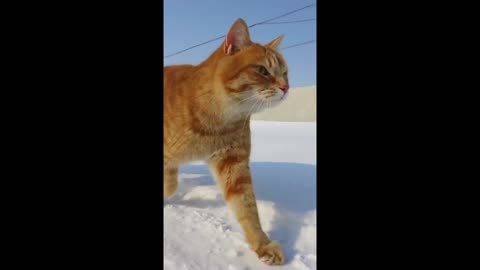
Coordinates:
(189, 22)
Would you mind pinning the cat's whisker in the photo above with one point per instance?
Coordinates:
(270, 92)
(250, 97)
(249, 113)
(259, 107)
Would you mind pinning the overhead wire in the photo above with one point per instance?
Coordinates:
(250, 26)
(298, 44)
(287, 22)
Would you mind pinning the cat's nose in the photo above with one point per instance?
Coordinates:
(284, 89)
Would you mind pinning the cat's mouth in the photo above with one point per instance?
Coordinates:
(262, 100)
(273, 95)
(257, 100)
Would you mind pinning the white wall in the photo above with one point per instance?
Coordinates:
(300, 106)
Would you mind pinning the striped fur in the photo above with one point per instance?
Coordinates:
(207, 110)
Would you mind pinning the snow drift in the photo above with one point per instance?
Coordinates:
(201, 233)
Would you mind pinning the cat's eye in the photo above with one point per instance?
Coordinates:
(262, 70)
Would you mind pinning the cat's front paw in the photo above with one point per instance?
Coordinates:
(271, 254)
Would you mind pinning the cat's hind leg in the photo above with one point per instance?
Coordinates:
(170, 182)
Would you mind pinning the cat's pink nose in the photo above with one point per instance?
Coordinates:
(285, 89)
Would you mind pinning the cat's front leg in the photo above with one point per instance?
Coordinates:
(232, 172)
(170, 181)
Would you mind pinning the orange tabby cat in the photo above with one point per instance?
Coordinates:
(207, 111)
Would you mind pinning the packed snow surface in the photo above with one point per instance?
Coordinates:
(201, 233)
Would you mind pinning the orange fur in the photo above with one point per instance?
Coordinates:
(238, 186)
(207, 110)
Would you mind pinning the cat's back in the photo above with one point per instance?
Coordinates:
(176, 87)
(177, 92)
(175, 75)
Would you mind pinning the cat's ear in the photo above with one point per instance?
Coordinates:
(237, 37)
(274, 44)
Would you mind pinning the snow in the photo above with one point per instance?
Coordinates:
(201, 233)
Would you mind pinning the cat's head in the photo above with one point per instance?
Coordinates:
(254, 76)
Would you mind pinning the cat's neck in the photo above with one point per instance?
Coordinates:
(213, 88)
(213, 108)
(215, 111)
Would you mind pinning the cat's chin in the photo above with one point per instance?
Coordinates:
(274, 103)
(255, 101)
(267, 104)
